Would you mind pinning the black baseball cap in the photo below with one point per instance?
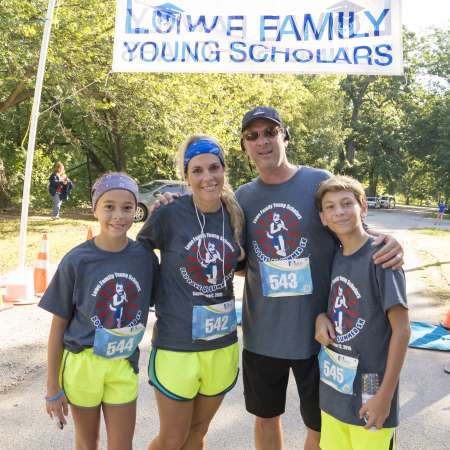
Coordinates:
(261, 112)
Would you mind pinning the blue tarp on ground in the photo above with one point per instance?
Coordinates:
(432, 337)
(238, 306)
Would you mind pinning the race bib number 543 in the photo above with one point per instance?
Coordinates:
(286, 278)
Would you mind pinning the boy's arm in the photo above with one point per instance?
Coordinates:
(377, 408)
(325, 333)
(55, 349)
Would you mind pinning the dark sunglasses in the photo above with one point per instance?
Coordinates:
(268, 132)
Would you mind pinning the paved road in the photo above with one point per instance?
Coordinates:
(425, 389)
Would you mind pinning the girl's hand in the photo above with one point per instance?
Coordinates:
(375, 411)
(57, 408)
(325, 333)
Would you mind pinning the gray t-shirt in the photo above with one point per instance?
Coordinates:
(282, 223)
(360, 296)
(193, 265)
(87, 282)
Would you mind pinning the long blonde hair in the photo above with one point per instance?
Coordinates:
(227, 195)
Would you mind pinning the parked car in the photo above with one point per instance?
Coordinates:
(387, 201)
(373, 202)
(148, 193)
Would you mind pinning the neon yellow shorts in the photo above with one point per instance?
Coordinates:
(183, 375)
(89, 380)
(337, 435)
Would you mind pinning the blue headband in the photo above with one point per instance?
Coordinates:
(202, 146)
(112, 181)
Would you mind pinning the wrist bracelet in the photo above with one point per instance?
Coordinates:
(55, 397)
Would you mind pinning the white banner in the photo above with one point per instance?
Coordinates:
(290, 36)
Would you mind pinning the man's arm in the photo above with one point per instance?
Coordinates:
(377, 408)
(390, 256)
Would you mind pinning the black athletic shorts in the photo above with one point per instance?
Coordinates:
(265, 384)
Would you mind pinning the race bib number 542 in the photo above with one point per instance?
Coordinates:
(213, 321)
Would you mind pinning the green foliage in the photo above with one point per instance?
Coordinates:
(390, 132)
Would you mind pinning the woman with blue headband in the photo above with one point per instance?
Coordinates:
(194, 359)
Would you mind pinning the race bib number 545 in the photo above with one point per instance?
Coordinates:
(338, 371)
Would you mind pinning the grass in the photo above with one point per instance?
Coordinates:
(62, 235)
(439, 232)
(433, 247)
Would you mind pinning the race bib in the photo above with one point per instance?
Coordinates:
(117, 342)
(286, 278)
(338, 371)
(213, 321)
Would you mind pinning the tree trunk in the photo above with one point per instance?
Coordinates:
(373, 182)
(121, 163)
(5, 199)
(19, 92)
(356, 90)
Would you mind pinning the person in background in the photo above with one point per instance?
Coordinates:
(441, 212)
(59, 188)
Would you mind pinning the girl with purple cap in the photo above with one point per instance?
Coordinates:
(194, 357)
(99, 298)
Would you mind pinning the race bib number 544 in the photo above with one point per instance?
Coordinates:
(118, 342)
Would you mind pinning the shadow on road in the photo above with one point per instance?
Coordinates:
(435, 264)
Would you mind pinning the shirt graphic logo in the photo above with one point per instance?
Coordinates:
(117, 301)
(344, 309)
(208, 258)
(278, 233)
(210, 261)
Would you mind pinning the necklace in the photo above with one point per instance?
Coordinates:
(210, 251)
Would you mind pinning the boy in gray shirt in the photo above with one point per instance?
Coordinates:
(365, 332)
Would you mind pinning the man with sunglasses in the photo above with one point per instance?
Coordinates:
(284, 291)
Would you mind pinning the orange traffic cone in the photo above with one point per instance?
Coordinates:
(89, 234)
(42, 267)
(446, 324)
